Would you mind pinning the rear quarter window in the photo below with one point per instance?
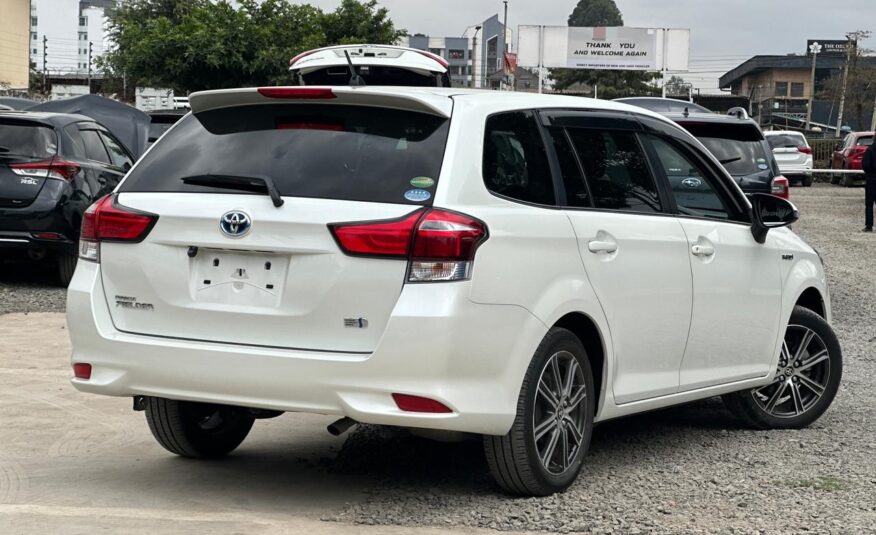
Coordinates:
(318, 151)
(27, 140)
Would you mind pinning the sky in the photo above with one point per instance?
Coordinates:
(724, 33)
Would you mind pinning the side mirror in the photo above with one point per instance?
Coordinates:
(769, 211)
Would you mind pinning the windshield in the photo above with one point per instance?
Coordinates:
(751, 157)
(27, 140)
(319, 151)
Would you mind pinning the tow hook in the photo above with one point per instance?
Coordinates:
(340, 427)
(139, 403)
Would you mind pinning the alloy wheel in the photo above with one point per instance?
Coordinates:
(558, 420)
(801, 377)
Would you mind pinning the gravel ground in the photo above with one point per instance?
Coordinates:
(30, 287)
(689, 469)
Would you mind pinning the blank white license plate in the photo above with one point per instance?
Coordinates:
(235, 278)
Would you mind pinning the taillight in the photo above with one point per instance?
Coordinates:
(312, 93)
(53, 168)
(82, 370)
(781, 187)
(805, 150)
(436, 57)
(108, 221)
(439, 244)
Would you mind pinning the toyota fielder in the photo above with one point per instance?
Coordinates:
(515, 266)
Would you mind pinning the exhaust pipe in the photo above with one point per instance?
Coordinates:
(340, 427)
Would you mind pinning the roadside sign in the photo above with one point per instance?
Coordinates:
(826, 47)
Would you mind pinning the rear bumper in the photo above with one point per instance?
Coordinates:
(52, 211)
(12, 242)
(438, 344)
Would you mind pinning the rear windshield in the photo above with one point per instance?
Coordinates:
(864, 141)
(320, 151)
(372, 75)
(738, 146)
(786, 141)
(23, 140)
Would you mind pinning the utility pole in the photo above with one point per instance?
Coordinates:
(814, 49)
(45, 56)
(474, 56)
(89, 66)
(842, 104)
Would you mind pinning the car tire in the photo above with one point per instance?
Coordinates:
(806, 181)
(539, 429)
(197, 430)
(66, 268)
(807, 379)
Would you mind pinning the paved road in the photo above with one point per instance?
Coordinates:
(74, 463)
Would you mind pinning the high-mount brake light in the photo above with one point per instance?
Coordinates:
(108, 221)
(312, 93)
(439, 244)
(52, 168)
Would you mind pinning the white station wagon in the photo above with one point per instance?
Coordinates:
(509, 265)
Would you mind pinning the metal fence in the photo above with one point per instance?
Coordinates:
(822, 151)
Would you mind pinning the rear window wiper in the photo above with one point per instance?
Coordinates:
(730, 160)
(258, 184)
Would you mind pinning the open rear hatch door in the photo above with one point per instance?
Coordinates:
(224, 264)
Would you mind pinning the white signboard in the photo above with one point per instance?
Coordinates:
(613, 48)
(633, 49)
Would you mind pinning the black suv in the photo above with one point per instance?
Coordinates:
(735, 139)
(53, 166)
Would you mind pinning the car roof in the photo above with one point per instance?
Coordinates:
(45, 117)
(435, 100)
(664, 105)
(783, 133)
(368, 54)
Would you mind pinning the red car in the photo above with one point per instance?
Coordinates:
(848, 155)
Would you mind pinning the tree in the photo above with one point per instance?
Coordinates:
(189, 45)
(676, 86)
(612, 84)
(860, 86)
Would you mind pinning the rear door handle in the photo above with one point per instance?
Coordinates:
(599, 246)
(700, 249)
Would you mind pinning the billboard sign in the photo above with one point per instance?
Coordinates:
(612, 48)
(826, 47)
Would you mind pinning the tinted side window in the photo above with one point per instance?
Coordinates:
(94, 148)
(690, 186)
(77, 146)
(118, 156)
(577, 193)
(515, 161)
(616, 170)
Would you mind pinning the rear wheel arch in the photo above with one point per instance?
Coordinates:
(582, 326)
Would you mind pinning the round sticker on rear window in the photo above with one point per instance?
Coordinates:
(763, 166)
(417, 195)
(422, 182)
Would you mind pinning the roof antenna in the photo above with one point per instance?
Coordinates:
(355, 79)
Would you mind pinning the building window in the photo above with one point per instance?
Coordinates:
(436, 51)
(781, 89)
(33, 21)
(797, 89)
(83, 36)
(83, 21)
(456, 54)
(34, 51)
(33, 36)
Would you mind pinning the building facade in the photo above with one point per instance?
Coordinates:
(14, 44)
(779, 88)
(474, 57)
(68, 34)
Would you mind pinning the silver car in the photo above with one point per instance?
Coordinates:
(793, 154)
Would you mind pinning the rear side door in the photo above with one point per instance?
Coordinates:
(104, 177)
(736, 281)
(633, 251)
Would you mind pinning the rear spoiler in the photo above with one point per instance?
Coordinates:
(351, 96)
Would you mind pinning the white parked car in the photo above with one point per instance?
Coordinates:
(374, 65)
(793, 154)
(511, 265)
